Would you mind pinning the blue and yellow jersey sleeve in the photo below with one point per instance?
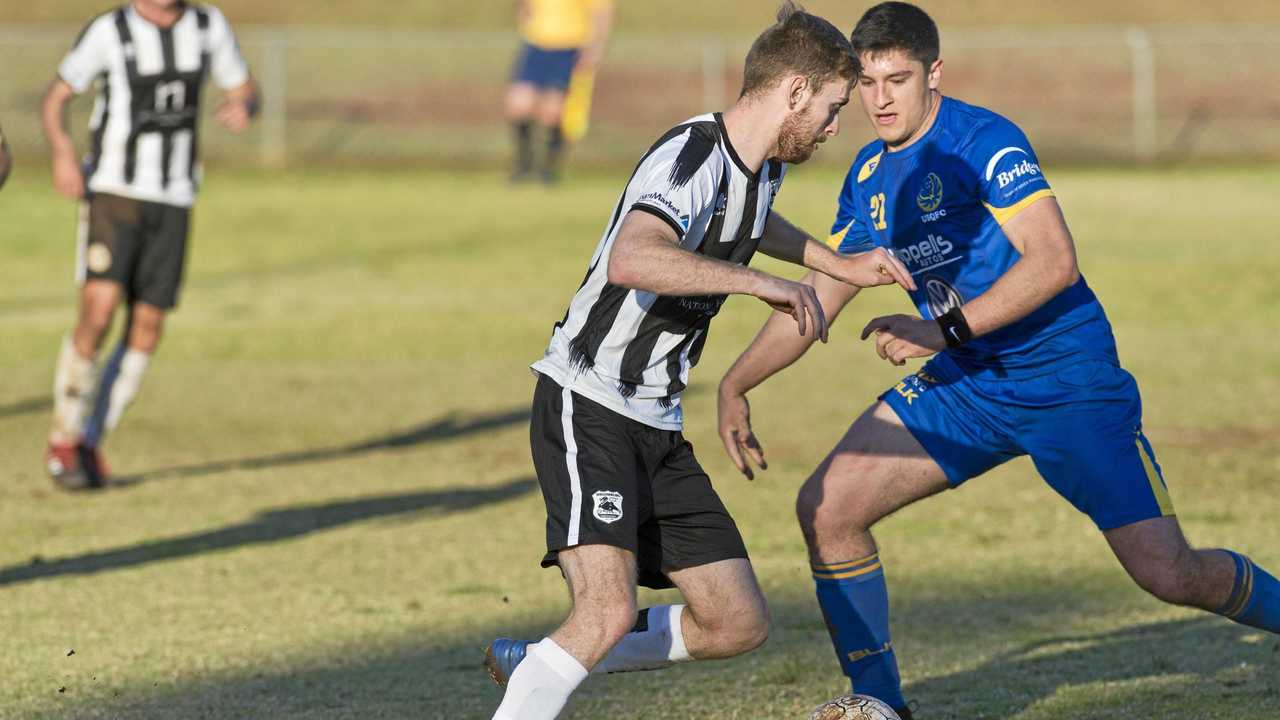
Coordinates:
(1008, 172)
(849, 231)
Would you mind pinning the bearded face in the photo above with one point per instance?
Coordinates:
(811, 124)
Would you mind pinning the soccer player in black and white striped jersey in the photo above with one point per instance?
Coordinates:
(148, 60)
(627, 501)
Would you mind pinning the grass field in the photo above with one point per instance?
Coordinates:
(328, 507)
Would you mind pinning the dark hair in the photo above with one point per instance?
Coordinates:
(897, 26)
(799, 43)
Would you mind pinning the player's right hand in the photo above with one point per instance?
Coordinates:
(798, 300)
(735, 432)
(67, 178)
(872, 268)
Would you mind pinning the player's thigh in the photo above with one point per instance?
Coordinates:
(161, 258)
(583, 456)
(689, 525)
(1090, 447)
(723, 593)
(875, 469)
(111, 235)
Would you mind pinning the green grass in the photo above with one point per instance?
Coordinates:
(332, 510)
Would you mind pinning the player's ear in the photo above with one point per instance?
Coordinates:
(798, 91)
(935, 74)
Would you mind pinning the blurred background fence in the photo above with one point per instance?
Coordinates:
(1084, 94)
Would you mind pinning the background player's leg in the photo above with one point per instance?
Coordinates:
(602, 586)
(877, 468)
(725, 615)
(74, 376)
(550, 108)
(122, 374)
(1157, 556)
(520, 102)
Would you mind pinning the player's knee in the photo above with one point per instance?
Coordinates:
(736, 629)
(1172, 579)
(822, 518)
(613, 614)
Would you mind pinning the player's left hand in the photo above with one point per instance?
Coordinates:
(901, 337)
(233, 115)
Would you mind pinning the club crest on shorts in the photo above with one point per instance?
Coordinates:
(607, 506)
(98, 257)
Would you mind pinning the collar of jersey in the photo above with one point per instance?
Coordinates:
(724, 135)
(918, 145)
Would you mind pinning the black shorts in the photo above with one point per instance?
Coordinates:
(610, 480)
(141, 245)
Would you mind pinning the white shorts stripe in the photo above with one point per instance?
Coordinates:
(571, 459)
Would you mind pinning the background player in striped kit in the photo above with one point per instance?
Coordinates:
(1023, 361)
(626, 499)
(148, 60)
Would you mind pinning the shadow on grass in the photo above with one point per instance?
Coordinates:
(271, 526)
(441, 677)
(446, 428)
(27, 406)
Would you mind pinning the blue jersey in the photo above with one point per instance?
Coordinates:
(938, 206)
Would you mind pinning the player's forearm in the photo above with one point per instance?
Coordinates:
(647, 262)
(1029, 284)
(777, 345)
(53, 122)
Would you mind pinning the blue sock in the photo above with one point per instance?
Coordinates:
(855, 602)
(1255, 596)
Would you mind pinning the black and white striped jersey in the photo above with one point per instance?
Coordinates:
(143, 141)
(632, 350)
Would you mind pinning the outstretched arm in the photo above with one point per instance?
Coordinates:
(788, 243)
(647, 256)
(773, 349)
(1046, 268)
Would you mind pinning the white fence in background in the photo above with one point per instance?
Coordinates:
(1141, 93)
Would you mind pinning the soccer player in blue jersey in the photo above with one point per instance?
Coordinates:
(1024, 362)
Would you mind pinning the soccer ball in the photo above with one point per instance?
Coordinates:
(853, 707)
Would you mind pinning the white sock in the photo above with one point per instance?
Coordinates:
(118, 386)
(541, 684)
(659, 645)
(72, 385)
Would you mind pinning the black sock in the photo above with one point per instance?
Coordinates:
(524, 146)
(555, 144)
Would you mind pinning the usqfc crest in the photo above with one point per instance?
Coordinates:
(930, 195)
(607, 506)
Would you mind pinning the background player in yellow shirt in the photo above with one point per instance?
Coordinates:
(560, 38)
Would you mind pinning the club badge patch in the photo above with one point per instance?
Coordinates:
(607, 506)
(98, 258)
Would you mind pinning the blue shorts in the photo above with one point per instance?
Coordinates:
(544, 69)
(1081, 425)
